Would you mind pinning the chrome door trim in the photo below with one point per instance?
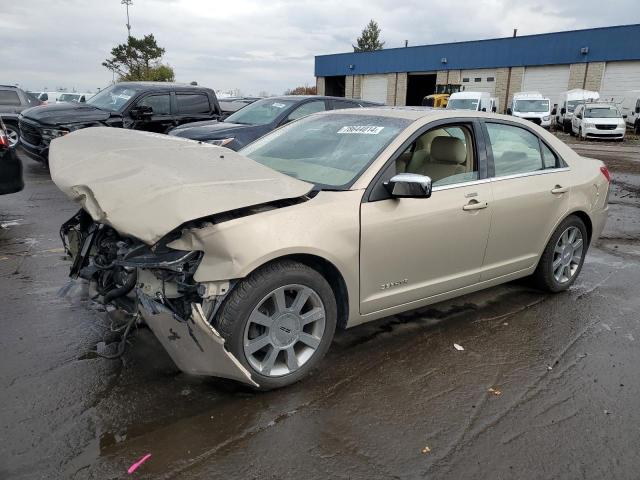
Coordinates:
(529, 174)
(460, 185)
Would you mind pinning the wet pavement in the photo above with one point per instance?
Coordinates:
(394, 399)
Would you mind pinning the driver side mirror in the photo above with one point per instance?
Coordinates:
(554, 111)
(563, 111)
(141, 112)
(409, 185)
(509, 111)
(637, 109)
(484, 109)
(625, 116)
(494, 109)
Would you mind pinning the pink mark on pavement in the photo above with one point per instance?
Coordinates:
(135, 466)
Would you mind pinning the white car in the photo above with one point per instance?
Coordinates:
(598, 120)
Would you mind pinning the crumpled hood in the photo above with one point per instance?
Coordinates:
(145, 184)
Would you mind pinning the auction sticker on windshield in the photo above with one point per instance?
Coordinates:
(361, 129)
(278, 105)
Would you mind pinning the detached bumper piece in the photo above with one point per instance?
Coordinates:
(194, 345)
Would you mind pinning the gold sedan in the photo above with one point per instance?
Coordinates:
(244, 264)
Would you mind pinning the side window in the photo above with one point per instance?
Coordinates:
(339, 104)
(192, 103)
(515, 150)
(307, 109)
(548, 157)
(9, 97)
(161, 104)
(444, 154)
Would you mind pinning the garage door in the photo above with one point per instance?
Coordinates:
(620, 77)
(374, 88)
(551, 81)
(479, 80)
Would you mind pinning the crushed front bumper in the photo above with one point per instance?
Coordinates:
(193, 344)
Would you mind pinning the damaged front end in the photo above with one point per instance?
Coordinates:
(158, 283)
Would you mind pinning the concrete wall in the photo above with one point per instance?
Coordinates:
(353, 86)
(595, 72)
(320, 86)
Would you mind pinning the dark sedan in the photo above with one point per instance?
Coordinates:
(10, 166)
(261, 117)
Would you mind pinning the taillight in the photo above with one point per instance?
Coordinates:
(4, 141)
(605, 172)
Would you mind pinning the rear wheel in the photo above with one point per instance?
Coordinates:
(563, 257)
(279, 322)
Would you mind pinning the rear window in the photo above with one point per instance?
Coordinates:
(9, 97)
(192, 103)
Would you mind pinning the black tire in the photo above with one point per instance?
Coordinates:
(566, 127)
(238, 306)
(636, 128)
(543, 277)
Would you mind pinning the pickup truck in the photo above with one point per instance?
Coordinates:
(149, 106)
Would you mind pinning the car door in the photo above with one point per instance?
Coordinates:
(160, 120)
(576, 119)
(192, 107)
(531, 188)
(415, 248)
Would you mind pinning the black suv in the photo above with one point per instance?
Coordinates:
(150, 106)
(12, 101)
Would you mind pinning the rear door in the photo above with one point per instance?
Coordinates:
(531, 188)
(192, 106)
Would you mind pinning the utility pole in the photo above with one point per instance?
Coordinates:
(127, 3)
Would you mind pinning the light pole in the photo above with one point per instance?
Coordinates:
(127, 3)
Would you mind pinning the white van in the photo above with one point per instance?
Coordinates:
(630, 109)
(531, 106)
(568, 103)
(478, 101)
(598, 120)
(74, 97)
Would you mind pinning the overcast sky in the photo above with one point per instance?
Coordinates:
(258, 45)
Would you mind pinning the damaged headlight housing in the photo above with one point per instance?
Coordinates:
(221, 142)
(51, 133)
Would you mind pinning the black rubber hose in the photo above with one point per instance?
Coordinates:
(123, 290)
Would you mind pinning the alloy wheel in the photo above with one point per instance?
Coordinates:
(284, 330)
(13, 136)
(567, 254)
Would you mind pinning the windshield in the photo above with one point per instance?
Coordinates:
(260, 112)
(539, 106)
(69, 97)
(114, 97)
(329, 150)
(463, 103)
(600, 112)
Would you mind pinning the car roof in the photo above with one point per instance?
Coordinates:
(13, 87)
(419, 113)
(319, 97)
(164, 85)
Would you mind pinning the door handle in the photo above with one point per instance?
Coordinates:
(475, 205)
(558, 189)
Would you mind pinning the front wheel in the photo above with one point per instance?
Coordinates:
(13, 134)
(563, 257)
(279, 322)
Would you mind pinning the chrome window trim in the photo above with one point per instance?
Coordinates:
(529, 174)
(460, 185)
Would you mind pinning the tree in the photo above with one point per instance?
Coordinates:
(139, 59)
(306, 90)
(369, 40)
